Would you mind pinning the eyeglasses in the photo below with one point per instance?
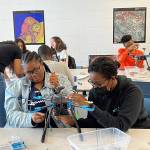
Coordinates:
(98, 83)
(34, 71)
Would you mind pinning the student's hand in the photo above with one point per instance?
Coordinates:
(78, 99)
(132, 47)
(54, 80)
(38, 117)
(66, 119)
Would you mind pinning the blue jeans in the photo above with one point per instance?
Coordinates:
(2, 100)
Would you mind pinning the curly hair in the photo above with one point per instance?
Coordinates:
(9, 45)
(126, 38)
(29, 56)
(105, 66)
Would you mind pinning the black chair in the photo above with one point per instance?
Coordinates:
(145, 88)
(71, 62)
(147, 105)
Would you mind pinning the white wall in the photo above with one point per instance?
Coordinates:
(86, 26)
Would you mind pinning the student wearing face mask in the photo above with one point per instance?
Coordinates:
(117, 101)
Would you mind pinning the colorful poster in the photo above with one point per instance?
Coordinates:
(29, 26)
(129, 21)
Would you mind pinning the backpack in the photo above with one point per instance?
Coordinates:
(71, 62)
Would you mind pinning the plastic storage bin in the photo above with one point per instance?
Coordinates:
(103, 139)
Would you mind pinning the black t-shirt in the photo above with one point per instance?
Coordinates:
(32, 96)
(8, 53)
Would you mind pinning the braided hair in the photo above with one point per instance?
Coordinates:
(105, 66)
(29, 56)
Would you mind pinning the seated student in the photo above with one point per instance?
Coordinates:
(46, 54)
(60, 49)
(20, 92)
(22, 46)
(117, 101)
(9, 71)
(10, 55)
(60, 52)
(126, 55)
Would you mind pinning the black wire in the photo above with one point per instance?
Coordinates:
(97, 138)
(56, 55)
(75, 120)
(76, 123)
(46, 125)
(61, 105)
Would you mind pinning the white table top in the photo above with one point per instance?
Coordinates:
(82, 79)
(57, 138)
(82, 75)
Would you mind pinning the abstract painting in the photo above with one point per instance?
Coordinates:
(29, 26)
(129, 21)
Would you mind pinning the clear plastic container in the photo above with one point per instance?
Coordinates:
(103, 139)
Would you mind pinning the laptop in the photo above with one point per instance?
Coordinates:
(92, 57)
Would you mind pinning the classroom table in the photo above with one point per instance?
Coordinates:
(56, 139)
(82, 75)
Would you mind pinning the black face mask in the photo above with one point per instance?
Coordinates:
(101, 91)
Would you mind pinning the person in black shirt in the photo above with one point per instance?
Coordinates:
(10, 54)
(117, 101)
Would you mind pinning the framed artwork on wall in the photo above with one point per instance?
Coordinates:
(29, 26)
(129, 21)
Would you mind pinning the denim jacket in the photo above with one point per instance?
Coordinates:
(16, 99)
